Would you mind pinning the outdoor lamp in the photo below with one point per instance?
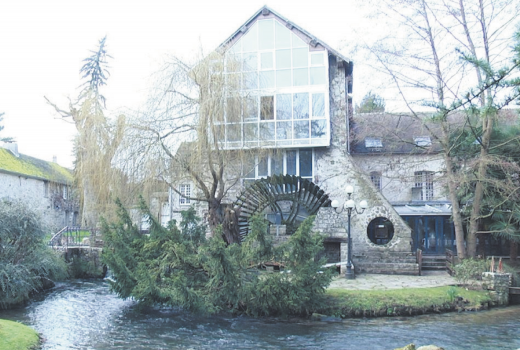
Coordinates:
(349, 205)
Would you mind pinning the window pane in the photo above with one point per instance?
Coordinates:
(301, 106)
(318, 105)
(267, 131)
(277, 164)
(283, 130)
(233, 132)
(267, 107)
(266, 34)
(267, 79)
(283, 78)
(300, 77)
(233, 111)
(233, 63)
(233, 81)
(262, 166)
(318, 75)
(250, 41)
(283, 35)
(219, 133)
(297, 42)
(301, 129)
(251, 132)
(300, 57)
(291, 162)
(250, 108)
(248, 168)
(250, 80)
(250, 61)
(283, 106)
(266, 60)
(306, 163)
(317, 59)
(318, 128)
(283, 59)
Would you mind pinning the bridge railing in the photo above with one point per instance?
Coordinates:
(75, 236)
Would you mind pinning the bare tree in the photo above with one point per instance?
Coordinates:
(449, 55)
(192, 131)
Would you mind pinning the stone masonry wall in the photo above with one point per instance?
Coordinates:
(32, 192)
(335, 168)
(498, 284)
(397, 173)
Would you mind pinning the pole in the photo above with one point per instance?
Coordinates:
(349, 274)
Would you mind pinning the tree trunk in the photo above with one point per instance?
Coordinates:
(215, 215)
(455, 208)
(471, 239)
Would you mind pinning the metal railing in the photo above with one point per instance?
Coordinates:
(75, 236)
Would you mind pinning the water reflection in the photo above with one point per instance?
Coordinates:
(84, 315)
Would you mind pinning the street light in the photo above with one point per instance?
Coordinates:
(349, 206)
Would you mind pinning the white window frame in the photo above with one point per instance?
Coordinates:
(291, 141)
(424, 181)
(185, 193)
(284, 172)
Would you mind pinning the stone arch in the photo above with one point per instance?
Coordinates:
(288, 198)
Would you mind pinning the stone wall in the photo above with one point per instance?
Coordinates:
(35, 195)
(85, 262)
(397, 173)
(498, 284)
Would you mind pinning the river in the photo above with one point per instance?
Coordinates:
(85, 315)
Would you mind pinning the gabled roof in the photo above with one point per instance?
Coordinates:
(266, 11)
(34, 168)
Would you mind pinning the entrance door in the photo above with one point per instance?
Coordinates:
(431, 234)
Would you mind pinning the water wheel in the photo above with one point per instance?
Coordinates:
(285, 199)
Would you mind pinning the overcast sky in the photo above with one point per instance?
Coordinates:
(43, 43)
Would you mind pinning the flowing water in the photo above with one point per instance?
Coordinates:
(85, 315)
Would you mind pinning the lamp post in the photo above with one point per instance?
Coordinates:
(349, 205)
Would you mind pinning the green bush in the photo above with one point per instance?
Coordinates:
(470, 270)
(26, 262)
(184, 269)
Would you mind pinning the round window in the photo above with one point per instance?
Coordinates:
(380, 230)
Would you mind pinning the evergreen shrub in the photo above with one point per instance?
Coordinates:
(183, 268)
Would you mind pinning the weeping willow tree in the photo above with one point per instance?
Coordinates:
(97, 142)
(192, 132)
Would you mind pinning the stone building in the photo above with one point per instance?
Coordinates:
(45, 187)
(299, 93)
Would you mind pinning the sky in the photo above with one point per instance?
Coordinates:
(43, 43)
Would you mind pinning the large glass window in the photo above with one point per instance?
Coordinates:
(291, 162)
(284, 85)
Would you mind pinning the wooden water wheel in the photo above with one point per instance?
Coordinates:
(285, 199)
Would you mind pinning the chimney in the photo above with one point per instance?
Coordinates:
(11, 147)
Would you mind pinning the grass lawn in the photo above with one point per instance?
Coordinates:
(401, 301)
(16, 336)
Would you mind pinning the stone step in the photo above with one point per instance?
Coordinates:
(387, 268)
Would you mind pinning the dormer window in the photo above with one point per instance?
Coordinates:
(373, 143)
(423, 141)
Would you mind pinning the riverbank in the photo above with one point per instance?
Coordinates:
(391, 295)
(16, 336)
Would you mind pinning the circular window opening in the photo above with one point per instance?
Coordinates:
(380, 230)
